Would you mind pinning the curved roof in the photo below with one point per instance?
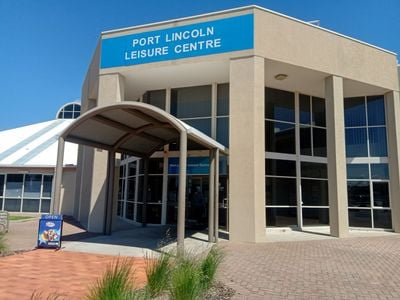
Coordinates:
(35, 145)
(134, 128)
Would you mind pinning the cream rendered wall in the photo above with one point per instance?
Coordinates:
(111, 90)
(283, 39)
(85, 154)
(91, 186)
(247, 150)
(67, 200)
(336, 154)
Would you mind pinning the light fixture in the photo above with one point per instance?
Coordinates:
(281, 76)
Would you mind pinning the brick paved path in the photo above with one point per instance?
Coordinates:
(352, 268)
(47, 271)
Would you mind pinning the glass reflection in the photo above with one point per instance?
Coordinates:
(319, 141)
(280, 137)
(315, 216)
(318, 108)
(382, 218)
(305, 140)
(279, 105)
(356, 142)
(376, 110)
(314, 192)
(280, 191)
(357, 171)
(358, 194)
(354, 112)
(281, 216)
(381, 194)
(360, 218)
(377, 141)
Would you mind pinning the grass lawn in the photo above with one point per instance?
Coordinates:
(18, 218)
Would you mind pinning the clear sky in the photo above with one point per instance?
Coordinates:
(46, 45)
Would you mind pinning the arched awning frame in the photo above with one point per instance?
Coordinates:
(140, 129)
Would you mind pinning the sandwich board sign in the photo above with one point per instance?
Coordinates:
(50, 231)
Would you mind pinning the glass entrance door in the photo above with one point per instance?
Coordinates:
(197, 208)
(314, 204)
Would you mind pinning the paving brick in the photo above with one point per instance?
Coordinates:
(45, 271)
(350, 268)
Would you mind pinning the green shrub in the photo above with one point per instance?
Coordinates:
(158, 274)
(186, 279)
(39, 296)
(209, 266)
(116, 283)
(3, 244)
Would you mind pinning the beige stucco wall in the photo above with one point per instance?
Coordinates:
(284, 39)
(67, 200)
(336, 154)
(90, 85)
(247, 150)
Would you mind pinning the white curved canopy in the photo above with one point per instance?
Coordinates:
(134, 128)
(140, 129)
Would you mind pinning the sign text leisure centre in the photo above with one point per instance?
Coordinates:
(212, 37)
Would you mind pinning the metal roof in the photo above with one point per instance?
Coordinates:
(35, 145)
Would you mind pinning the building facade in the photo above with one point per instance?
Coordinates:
(311, 119)
(27, 161)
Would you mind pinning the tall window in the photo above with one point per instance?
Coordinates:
(296, 184)
(223, 114)
(279, 121)
(130, 195)
(154, 190)
(367, 167)
(25, 192)
(280, 191)
(193, 106)
(314, 193)
(128, 186)
(313, 126)
(156, 98)
(365, 127)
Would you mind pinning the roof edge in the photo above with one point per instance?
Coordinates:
(248, 7)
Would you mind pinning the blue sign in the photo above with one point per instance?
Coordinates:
(50, 231)
(213, 37)
(195, 165)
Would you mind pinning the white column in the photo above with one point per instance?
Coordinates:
(211, 197)
(216, 195)
(55, 204)
(164, 187)
(338, 211)
(182, 192)
(247, 150)
(110, 193)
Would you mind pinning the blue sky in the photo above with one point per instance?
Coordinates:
(46, 46)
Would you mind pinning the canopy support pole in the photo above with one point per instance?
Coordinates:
(182, 193)
(216, 194)
(55, 204)
(211, 196)
(145, 190)
(110, 192)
